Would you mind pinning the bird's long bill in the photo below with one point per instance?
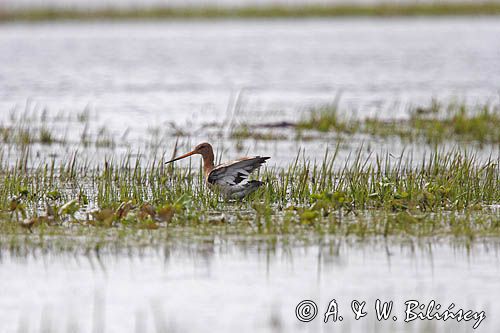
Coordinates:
(182, 156)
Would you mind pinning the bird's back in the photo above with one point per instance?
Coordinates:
(232, 177)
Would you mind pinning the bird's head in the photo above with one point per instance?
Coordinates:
(204, 149)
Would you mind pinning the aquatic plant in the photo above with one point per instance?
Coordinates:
(435, 123)
(326, 118)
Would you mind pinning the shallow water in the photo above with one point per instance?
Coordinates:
(138, 78)
(143, 76)
(231, 284)
(140, 74)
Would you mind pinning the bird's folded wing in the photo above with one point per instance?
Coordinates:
(235, 172)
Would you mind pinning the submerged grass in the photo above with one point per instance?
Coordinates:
(269, 11)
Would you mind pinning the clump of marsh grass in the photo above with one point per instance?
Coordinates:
(435, 124)
(326, 118)
(479, 124)
(46, 136)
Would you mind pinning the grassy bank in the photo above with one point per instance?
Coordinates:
(378, 10)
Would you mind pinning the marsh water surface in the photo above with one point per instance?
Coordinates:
(143, 76)
(233, 284)
(136, 78)
(138, 74)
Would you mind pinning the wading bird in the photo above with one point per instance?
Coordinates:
(230, 178)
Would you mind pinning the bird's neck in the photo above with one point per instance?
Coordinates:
(208, 163)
